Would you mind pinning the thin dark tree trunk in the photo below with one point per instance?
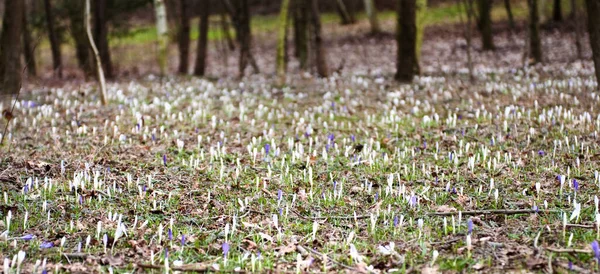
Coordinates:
(201, 50)
(485, 24)
(509, 14)
(577, 25)
(406, 38)
(243, 34)
(54, 42)
(345, 18)
(10, 48)
(320, 54)
(101, 37)
(535, 44)
(28, 51)
(183, 41)
(557, 11)
(226, 31)
(300, 10)
(75, 8)
(593, 10)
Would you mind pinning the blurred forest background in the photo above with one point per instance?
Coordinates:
(222, 38)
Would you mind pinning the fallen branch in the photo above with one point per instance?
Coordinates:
(568, 250)
(493, 212)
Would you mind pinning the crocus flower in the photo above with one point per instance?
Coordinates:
(541, 153)
(575, 185)
(469, 226)
(45, 245)
(170, 234)
(225, 249)
(596, 249)
(27, 237)
(267, 149)
(395, 221)
(165, 159)
(182, 239)
(279, 194)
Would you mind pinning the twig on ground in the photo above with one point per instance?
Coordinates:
(493, 212)
(321, 255)
(568, 250)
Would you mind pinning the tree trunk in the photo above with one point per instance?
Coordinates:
(509, 14)
(301, 32)
(557, 11)
(10, 48)
(162, 35)
(201, 50)
(243, 34)
(406, 38)
(371, 12)
(535, 44)
(75, 9)
(183, 37)
(485, 24)
(54, 42)
(28, 50)
(577, 23)
(282, 37)
(101, 37)
(320, 55)
(226, 31)
(345, 18)
(593, 9)
(99, 70)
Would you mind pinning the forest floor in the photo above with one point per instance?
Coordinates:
(351, 173)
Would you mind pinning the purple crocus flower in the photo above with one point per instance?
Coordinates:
(182, 239)
(541, 153)
(575, 185)
(413, 201)
(280, 211)
(353, 138)
(376, 196)
(279, 194)
(170, 234)
(27, 237)
(469, 226)
(165, 159)
(596, 249)
(153, 137)
(395, 221)
(46, 245)
(80, 199)
(267, 149)
(166, 253)
(225, 249)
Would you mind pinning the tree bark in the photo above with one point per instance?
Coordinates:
(406, 38)
(101, 37)
(75, 9)
(320, 54)
(577, 25)
(54, 42)
(183, 37)
(345, 18)
(10, 48)
(282, 37)
(557, 11)
(99, 70)
(535, 44)
(301, 32)
(593, 9)
(485, 24)
(162, 35)
(243, 34)
(201, 50)
(509, 14)
(28, 49)
(371, 12)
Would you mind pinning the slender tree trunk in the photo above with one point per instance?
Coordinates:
(557, 11)
(406, 38)
(10, 49)
(509, 14)
(54, 42)
(226, 31)
(468, 6)
(243, 34)
(75, 9)
(485, 24)
(320, 55)
(162, 35)
(183, 37)
(535, 44)
(345, 17)
(371, 12)
(593, 10)
(577, 33)
(201, 50)
(101, 37)
(99, 70)
(301, 32)
(28, 51)
(282, 37)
